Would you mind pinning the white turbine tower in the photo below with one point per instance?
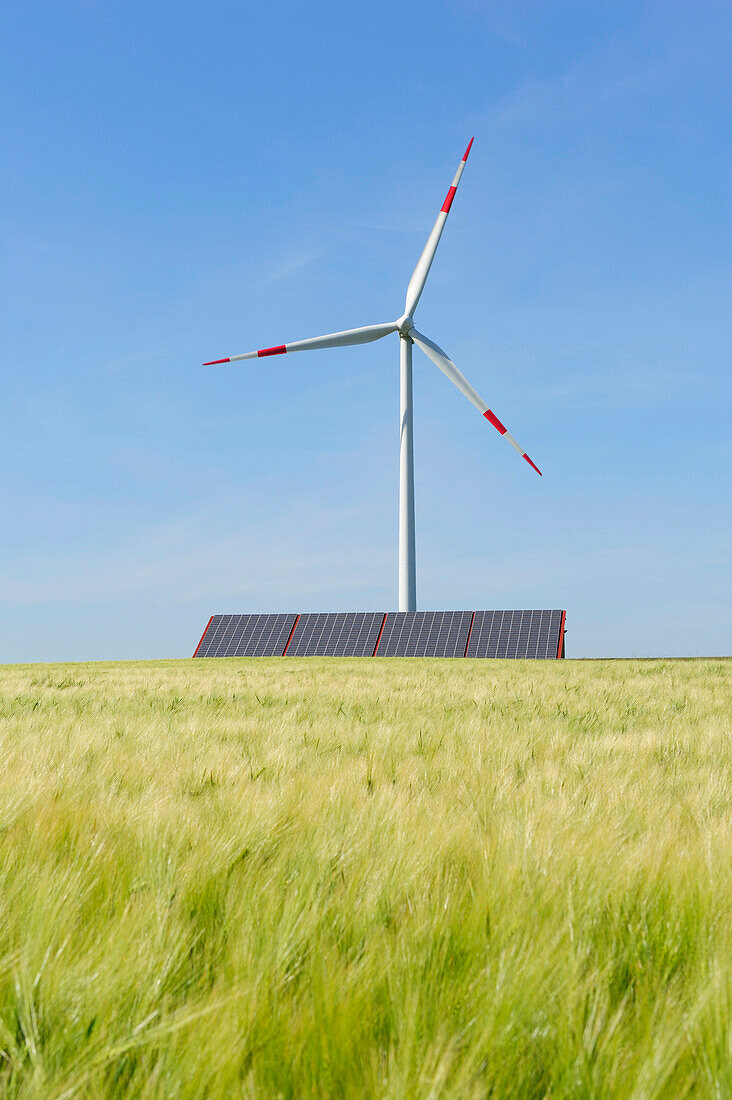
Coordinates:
(408, 334)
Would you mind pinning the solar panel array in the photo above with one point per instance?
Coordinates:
(532, 634)
(425, 634)
(246, 636)
(341, 634)
(515, 634)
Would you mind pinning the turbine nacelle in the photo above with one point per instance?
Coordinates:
(405, 324)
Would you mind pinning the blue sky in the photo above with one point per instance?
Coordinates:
(185, 181)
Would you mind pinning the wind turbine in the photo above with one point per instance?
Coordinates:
(408, 334)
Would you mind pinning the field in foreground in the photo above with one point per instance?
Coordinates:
(366, 878)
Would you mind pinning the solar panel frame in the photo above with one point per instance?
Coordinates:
(425, 634)
(263, 635)
(336, 634)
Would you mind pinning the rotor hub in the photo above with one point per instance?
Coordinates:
(405, 325)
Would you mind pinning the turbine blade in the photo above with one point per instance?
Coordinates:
(421, 271)
(332, 340)
(446, 365)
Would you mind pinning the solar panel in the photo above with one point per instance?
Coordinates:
(532, 634)
(515, 634)
(246, 636)
(340, 634)
(425, 634)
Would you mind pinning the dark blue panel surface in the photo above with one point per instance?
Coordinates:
(336, 634)
(515, 634)
(425, 634)
(246, 636)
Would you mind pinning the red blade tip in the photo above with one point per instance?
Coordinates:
(493, 419)
(215, 361)
(533, 465)
(465, 157)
